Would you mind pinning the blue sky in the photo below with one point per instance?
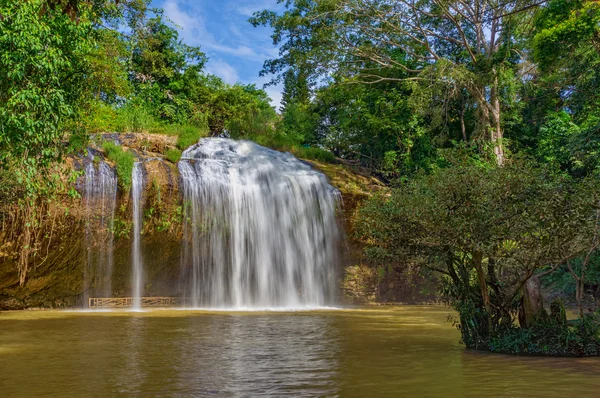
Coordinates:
(236, 49)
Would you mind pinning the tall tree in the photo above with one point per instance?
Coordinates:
(465, 45)
(43, 66)
(296, 88)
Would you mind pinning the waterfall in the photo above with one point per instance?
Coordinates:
(100, 198)
(137, 190)
(260, 228)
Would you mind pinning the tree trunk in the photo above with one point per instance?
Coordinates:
(579, 288)
(463, 128)
(496, 129)
(533, 306)
(477, 263)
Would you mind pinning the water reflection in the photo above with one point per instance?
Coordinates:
(249, 355)
(397, 351)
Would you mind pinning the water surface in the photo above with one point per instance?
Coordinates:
(381, 351)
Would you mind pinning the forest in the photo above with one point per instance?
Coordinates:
(480, 117)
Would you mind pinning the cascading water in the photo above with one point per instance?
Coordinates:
(137, 189)
(100, 197)
(260, 228)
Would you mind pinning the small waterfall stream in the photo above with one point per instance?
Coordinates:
(261, 230)
(100, 198)
(137, 189)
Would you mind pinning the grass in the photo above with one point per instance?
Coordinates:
(313, 154)
(173, 155)
(137, 119)
(284, 143)
(123, 161)
(189, 136)
(132, 118)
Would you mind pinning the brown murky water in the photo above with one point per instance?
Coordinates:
(365, 352)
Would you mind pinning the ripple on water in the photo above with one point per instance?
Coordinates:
(390, 351)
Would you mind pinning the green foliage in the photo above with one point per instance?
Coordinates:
(551, 338)
(555, 138)
(565, 46)
(159, 56)
(312, 153)
(288, 143)
(42, 69)
(121, 227)
(486, 229)
(562, 281)
(188, 136)
(456, 72)
(123, 161)
(173, 155)
(374, 125)
(135, 118)
(159, 215)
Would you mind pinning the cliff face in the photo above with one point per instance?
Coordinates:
(66, 249)
(70, 239)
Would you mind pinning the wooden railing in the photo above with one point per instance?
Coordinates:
(127, 302)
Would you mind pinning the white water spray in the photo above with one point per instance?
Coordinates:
(137, 189)
(261, 230)
(100, 197)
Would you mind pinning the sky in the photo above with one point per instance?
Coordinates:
(236, 50)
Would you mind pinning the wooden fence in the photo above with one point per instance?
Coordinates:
(127, 302)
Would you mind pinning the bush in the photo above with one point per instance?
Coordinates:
(123, 162)
(135, 119)
(288, 143)
(101, 118)
(166, 129)
(313, 154)
(485, 228)
(550, 338)
(173, 155)
(189, 136)
(78, 141)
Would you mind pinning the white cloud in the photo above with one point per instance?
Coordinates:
(193, 29)
(194, 32)
(249, 9)
(276, 95)
(223, 70)
(230, 43)
(246, 10)
(274, 92)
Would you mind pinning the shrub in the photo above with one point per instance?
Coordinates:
(123, 161)
(173, 155)
(136, 119)
(165, 129)
(550, 338)
(319, 154)
(188, 136)
(288, 143)
(485, 230)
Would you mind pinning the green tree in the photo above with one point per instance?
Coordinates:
(375, 125)
(566, 46)
(43, 67)
(489, 231)
(466, 45)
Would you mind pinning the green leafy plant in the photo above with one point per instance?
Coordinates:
(188, 136)
(173, 155)
(123, 161)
